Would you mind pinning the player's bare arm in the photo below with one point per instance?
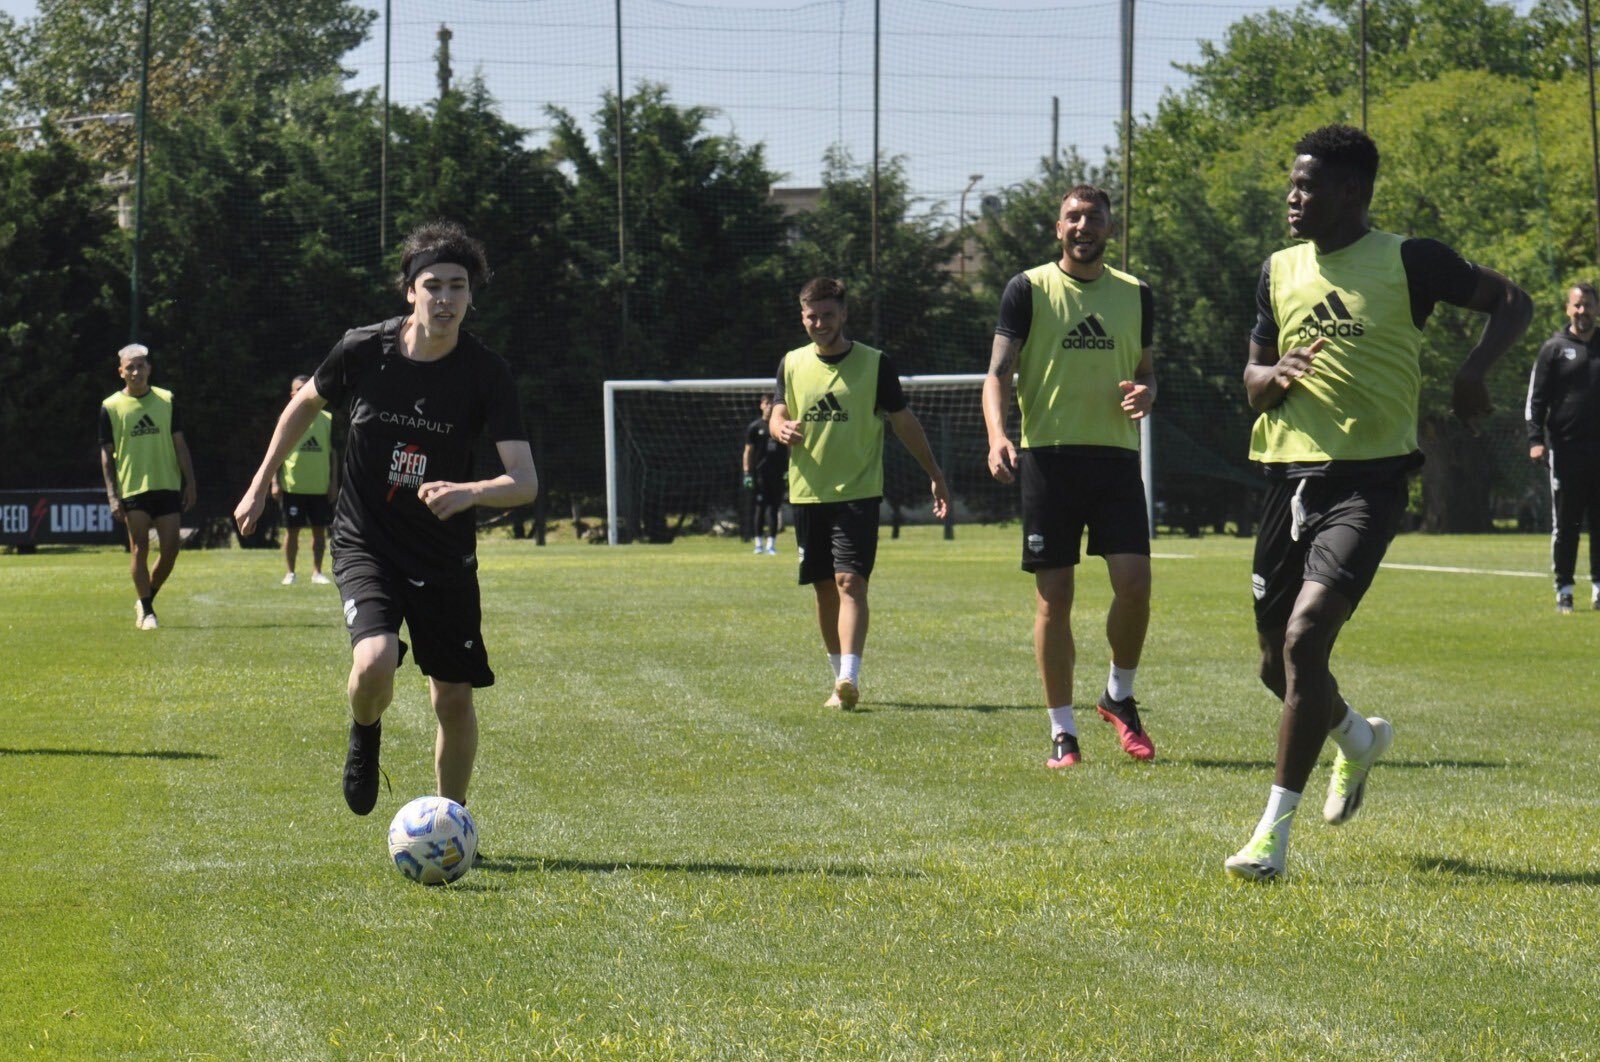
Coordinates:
(519, 485)
(293, 423)
(1139, 393)
(997, 389)
(108, 469)
(782, 428)
(908, 429)
(1510, 311)
(1268, 377)
(186, 466)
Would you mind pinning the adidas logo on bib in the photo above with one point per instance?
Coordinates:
(1329, 319)
(1089, 335)
(826, 408)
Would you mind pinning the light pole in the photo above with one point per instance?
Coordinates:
(972, 182)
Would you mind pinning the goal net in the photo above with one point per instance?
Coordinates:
(674, 448)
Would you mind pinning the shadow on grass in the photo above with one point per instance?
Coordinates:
(150, 754)
(248, 626)
(1404, 765)
(928, 706)
(514, 863)
(1463, 868)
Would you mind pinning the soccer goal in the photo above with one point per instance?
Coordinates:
(673, 451)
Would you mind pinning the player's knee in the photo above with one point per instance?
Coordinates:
(851, 584)
(1133, 586)
(452, 704)
(1305, 642)
(372, 665)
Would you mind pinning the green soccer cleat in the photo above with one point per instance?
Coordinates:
(1349, 782)
(1260, 860)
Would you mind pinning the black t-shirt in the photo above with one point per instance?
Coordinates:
(1435, 273)
(769, 459)
(413, 422)
(891, 397)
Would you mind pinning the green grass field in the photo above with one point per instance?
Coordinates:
(689, 857)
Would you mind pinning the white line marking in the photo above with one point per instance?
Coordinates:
(1464, 571)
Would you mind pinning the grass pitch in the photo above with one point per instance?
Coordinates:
(689, 857)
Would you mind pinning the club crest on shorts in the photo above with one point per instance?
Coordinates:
(350, 612)
(1035, 543)
(801, 552)
(1258, 586)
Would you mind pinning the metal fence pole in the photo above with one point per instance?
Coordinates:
(134, 293)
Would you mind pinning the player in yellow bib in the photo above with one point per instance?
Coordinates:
(841, 393)
(149, 476)
(1077, 335)
(305, 488)
(1334, 373)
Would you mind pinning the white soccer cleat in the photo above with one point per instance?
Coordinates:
(149, 622)
(288, 578)
(1349, 782)
(1263, 859)
(318, 579)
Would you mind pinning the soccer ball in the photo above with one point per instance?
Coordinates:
(432, 840)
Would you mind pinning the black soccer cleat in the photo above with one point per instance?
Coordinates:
(361, 768)
(1564, 604)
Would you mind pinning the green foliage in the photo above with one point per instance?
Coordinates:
(927, 319)
(61, 313)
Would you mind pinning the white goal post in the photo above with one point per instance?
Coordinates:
(673, 448)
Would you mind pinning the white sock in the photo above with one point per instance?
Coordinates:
(1279, 816)
(1120, 684)
(1353, 734)
(1564, 591)
(769, 541)
(1594, 591)
(850, 668)
(833, 664)
(1061, 721)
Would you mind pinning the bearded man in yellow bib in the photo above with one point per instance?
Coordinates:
(1334, 372)
(149, 476)
(844, 392)
(1077, 334)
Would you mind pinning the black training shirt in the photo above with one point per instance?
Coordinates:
(413, 422)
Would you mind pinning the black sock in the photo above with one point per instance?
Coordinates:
(367, 731)
(149, 603)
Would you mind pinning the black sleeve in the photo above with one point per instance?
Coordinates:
(1266, 330)
(1539, 393)
(1435, 273)
(107, 436)
(1016, 309)
(1147, 316)
(336, 373)
(177, 424)
(777, 388)
(891, 396)
(503, 416)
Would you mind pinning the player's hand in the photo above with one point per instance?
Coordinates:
(190, 496)
(1003, 461)
(445, 499)
(1297, 363)
(1469, 399)
(247, 514)
(276, 489)
(1136, 399)
(941, 497)
(118, 513)
(789, 432)
(1536, 452)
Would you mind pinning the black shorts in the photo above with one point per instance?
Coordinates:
(306, 510)
(155, 503)
(444, 620)
(1347, 528)
(770, 491)
(1066, 490)
(834, 537)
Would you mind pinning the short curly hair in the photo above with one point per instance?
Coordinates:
(1343, 146)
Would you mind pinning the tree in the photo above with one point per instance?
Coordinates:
(61, 311)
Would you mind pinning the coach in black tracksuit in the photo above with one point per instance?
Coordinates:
(1564, 426)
